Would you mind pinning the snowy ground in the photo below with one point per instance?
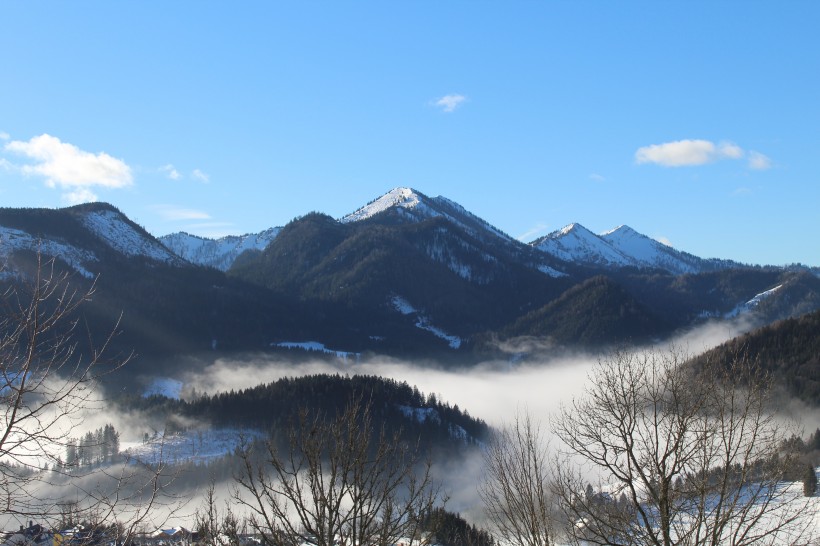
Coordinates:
(197, 446)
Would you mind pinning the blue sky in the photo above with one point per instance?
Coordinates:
(697, 123)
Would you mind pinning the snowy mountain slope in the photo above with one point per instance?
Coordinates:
(12, 240)
(575, 243)
(647, 252)
(413, 205)
(84, 236)
(217, 253)
(111, 226)
(622, 247)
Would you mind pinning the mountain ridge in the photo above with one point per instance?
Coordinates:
(621, 246)
(320, 281)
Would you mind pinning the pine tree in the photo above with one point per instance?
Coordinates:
(809, 481)
(71, 456)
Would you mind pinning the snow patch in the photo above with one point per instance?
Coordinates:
(164, 386)
(12, 240)
(318, 347)
(547, 270)
(420, 415)
(423, 323)
(403, 306)
(423, 415)
(752, 303)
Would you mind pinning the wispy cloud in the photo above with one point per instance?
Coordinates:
(69, 168)
(597, 177)
(449, 103)
(687, 153)
(533, 232)
(170, 171)
(758, 161)
(4, 135)
(663, 240)
(174, 213)
(201, 176)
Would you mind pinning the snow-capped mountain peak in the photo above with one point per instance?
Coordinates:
(412, 205)
(406, 198)
(575, 243)
(621, 247)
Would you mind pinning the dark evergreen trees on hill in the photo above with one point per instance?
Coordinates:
(274, 406)
(593, 313)
(451, 529)
(788, 349)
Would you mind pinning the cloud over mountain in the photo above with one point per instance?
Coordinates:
(68, 167)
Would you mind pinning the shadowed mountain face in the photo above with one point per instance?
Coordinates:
(405, 275)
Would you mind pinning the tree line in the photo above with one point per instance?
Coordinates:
(94, 447)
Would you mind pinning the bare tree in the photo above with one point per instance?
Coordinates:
(516, 491)
(47, 384)
(216, 527)
(338, 479)
(683, 457)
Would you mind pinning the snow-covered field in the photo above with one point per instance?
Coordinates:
(197, 446)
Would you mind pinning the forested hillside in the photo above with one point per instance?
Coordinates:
(273, 407)
(788, 349)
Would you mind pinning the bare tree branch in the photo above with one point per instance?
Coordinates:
(516, 491)
(338, 479)
(683, 458)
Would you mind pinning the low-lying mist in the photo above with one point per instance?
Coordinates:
(493, 391)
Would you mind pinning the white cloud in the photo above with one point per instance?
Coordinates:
(170, 172)
(758, 161)
(686, 153)
(79, 195)
(4, 135)
(201, 176)
(663, 240)
(597, 177)
(174, 213)
(448, 103)
(730, 150)
(66, 166)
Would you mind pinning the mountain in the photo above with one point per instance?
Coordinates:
(412, 205)
(455, 282)
(217, 253)
(82, 237)
(623, 247)
(396, 207)
(575, 243)
(155, 302)
(406, 275)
